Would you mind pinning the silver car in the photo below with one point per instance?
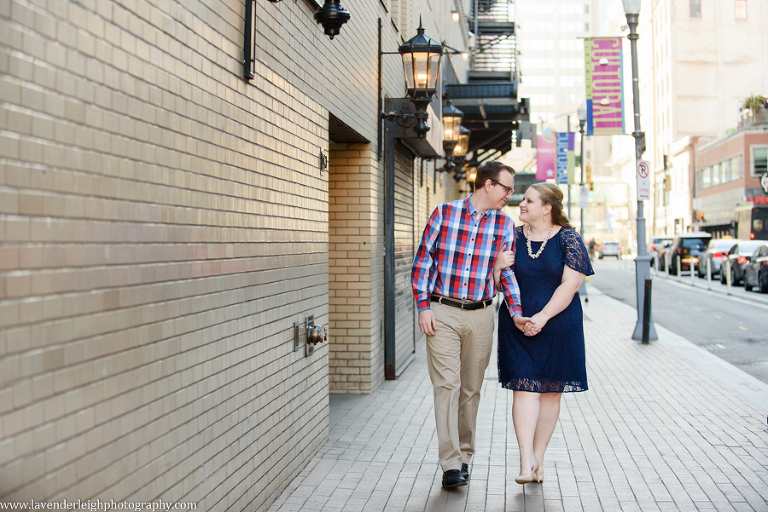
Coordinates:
(610, 248)
(714, 255)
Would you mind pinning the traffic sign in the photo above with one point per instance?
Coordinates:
(643, 181)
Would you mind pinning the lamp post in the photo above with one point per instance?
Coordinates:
(582, 113)
(642, 261)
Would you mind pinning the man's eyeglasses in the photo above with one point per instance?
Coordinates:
(507, 189)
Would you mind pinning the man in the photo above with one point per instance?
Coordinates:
(453, 285)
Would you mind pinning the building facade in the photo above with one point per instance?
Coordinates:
(731, 181)
(699, 60)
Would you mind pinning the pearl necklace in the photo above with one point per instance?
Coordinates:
(544, 243)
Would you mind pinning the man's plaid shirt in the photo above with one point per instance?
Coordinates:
(457, 252)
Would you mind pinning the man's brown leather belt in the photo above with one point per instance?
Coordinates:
(468, 306)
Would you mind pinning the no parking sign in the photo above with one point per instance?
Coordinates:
(643, 181)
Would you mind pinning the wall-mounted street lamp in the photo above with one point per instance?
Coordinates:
(452, 118)
(460, 154)
(462, 146)
(331, 16)
(421, 65)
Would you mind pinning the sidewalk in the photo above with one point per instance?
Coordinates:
(665, 426)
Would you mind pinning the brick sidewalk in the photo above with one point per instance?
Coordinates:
(662, 427)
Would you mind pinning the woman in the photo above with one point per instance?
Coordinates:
(545, 358)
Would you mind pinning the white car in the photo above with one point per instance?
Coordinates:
(610, 248)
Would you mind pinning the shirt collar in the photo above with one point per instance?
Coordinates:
(473, 211)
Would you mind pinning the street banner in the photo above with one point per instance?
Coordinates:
(643, 181)
(545, 155)
(571, 167)
(564, 143)
(604, 75)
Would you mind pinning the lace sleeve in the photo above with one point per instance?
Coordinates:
(575, 252)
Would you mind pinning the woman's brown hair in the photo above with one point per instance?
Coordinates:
(553, 196)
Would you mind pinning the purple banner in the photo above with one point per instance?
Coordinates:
(545, 155)
(604, 84)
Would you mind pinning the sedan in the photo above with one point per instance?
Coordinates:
(756, 271)
(610, 249)
(738, 257)
(713, 256)
(658, 246)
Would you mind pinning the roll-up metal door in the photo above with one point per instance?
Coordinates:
(405, 336)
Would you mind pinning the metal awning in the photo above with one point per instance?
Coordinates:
(491, 111)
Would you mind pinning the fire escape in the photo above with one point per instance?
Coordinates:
(492, 110)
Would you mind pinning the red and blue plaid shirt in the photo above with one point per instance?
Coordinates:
(457, 253)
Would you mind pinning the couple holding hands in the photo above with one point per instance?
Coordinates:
(469, 249)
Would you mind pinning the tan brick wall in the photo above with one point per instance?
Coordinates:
(162, 225)
(355, 264)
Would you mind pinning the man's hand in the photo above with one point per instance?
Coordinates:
(427, 322)
(521, 321)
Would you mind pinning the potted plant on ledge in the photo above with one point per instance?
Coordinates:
(758, 108)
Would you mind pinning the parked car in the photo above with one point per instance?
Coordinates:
(661, 264)
(739, 255)
(658, 245)
(756, 271)
(610, 248)
(685, 249)
(717, 250)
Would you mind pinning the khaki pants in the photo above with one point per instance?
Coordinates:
(457, 356)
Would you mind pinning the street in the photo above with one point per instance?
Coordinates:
(734, 328)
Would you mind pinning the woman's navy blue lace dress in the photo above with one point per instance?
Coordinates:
(553, 360)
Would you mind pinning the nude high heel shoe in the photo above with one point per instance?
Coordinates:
(539, 473)
(531, 476)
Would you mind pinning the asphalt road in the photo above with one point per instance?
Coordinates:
(734, 328)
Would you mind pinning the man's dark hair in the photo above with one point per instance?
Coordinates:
(490, 171)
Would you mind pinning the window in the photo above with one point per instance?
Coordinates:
(740, 9)
(695, 8)
(759, 160)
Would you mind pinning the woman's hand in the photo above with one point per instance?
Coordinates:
(536, 324)
(504, 258)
